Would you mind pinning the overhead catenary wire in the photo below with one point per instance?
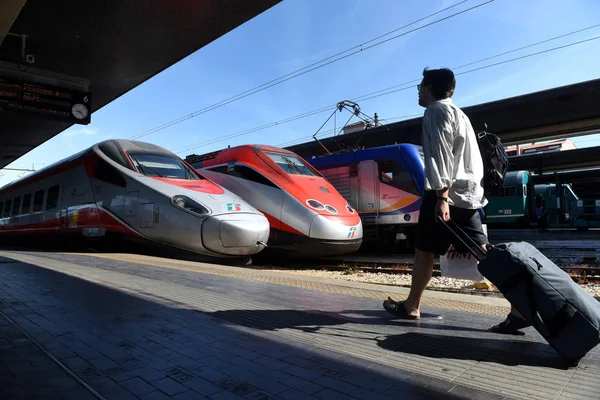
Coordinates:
(489, 58)
(395, 89)
(299, 140)
(296, 74)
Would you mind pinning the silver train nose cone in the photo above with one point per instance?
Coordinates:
(235, 234)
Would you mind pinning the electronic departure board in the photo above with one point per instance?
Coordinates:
(44, 101)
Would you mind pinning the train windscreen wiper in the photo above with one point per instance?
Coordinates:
(147, 168)
(292, 164)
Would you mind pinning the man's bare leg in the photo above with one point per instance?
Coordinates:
(421, 275)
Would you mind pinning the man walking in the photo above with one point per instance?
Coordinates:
(453, 189)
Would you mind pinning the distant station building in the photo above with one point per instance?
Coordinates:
(534, 148)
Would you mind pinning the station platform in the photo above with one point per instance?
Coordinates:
(119, 326)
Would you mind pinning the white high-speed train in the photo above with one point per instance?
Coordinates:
(134, 190)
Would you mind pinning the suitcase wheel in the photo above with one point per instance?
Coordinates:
(573, 363)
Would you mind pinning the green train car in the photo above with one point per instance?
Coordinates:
(522, 203)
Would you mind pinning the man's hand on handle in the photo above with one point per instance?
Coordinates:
(442, 209)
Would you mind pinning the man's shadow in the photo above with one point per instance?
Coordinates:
(484, 349)
(478, 346)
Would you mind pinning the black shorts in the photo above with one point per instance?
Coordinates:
(433, 237)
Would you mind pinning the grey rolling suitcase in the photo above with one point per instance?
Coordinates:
(565, 314)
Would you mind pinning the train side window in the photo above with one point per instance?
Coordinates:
(26, 204)
(6, 212)
(241, 171)
(16, 206)
(394, 175)
(52, 200)
(106, 173)
(509, 191)
(222, 169)
(248, 173)
(38, 200)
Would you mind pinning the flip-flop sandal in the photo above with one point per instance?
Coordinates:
(397, 308)
(511, 325)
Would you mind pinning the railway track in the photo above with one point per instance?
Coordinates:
(580, 259)
(581, 275)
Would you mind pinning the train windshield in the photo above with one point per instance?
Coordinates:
(391, 173)
(291, 164)
(163, 166)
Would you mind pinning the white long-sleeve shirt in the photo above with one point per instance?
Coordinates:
(451, 155)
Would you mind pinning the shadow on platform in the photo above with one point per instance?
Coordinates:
(97, 308)
(501, 351)
(311, 320)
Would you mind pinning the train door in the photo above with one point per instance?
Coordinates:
(368, 195)
(64, 202)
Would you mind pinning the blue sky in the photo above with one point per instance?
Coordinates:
(296, 33)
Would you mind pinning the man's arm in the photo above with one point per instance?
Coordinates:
(443, 193)
(439, 138)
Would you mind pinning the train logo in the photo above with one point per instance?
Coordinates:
(234, 207)
(351, 232)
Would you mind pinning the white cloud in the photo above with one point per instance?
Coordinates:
(80, 131)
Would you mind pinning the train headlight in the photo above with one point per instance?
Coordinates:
(317, 205)
(189, 205)
(331, 209)
(349, 209)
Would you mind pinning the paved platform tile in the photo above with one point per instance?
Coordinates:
(343, 345)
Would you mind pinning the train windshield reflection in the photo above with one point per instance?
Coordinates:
(163, 166)
(391, 173)
(291, 164)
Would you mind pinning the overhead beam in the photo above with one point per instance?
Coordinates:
(549, 132)
(568, 160)
(15, 148)
(584, 176)
(560, 112)
(9, 10)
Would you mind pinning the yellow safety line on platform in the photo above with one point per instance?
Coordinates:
(256, 275)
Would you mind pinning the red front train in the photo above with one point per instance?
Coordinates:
(306, 213)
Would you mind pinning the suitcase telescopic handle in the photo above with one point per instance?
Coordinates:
(458, 233)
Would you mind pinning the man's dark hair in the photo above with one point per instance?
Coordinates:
(441, 80)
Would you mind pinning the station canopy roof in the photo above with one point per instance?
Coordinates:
(104, 47)
(560, 112)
